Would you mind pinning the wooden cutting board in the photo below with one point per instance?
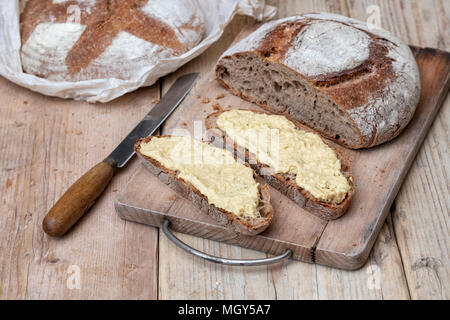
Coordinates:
(343, 243)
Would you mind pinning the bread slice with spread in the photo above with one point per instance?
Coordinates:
(290, 157)
(216, 182)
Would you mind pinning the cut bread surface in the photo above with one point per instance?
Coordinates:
(324, 186)
(212, 179)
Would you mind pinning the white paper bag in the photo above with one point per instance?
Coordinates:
(217, 13)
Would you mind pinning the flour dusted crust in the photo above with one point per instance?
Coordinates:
(75, 40)
(361, 85)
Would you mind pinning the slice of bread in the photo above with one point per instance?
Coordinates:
(246, 226)
(285, 183)
(356, 85)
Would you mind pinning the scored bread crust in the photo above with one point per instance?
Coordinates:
(285, 183)
(249, 226)
(357, 85)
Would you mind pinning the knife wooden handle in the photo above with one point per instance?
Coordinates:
(77, 199)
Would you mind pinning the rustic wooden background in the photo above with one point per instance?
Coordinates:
(47, 143)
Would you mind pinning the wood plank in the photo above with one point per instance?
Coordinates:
(407, 19)
(47, 144)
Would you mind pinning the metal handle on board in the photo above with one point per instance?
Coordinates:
(232, 262)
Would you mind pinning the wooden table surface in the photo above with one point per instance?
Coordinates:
(47, 143)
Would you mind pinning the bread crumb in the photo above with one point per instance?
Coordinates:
(217, 107)
(382, 170)
(25, 102)
(205, 100)
(220, 96)
(184, 124)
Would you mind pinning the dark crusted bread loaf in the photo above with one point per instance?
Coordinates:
(285, 183)
(356, 85)
(247, 226)
(77, 40)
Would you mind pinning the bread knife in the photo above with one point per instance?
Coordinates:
(87, 189)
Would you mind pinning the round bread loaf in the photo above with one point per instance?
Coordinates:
(356, 85)
(77, 40)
